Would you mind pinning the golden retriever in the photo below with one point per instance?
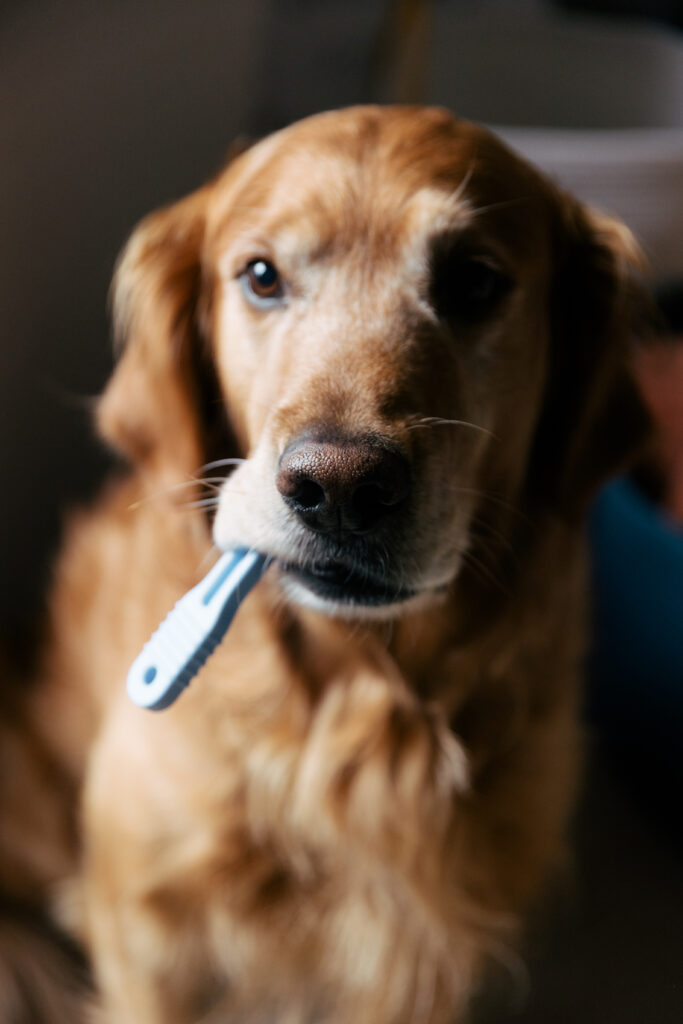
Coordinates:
(409, 351)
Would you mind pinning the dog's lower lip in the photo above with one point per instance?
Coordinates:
(337, 582)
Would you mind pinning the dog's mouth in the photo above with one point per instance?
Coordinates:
(337, 582)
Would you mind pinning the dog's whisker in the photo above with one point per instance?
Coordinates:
(171, 489)
(211, 502)
(493, 499)
(214, 484)
(217, 463)
(439, 421)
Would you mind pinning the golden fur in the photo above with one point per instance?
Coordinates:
(353, 804)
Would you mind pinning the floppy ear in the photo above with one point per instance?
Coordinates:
(157, 408)
(593, 421)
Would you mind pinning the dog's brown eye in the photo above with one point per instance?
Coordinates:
(262, 282)
(467, 288)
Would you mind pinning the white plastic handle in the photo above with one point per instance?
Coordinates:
(190, 633)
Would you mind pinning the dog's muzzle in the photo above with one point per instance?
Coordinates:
(351, 495)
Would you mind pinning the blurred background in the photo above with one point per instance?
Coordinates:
(112, 108)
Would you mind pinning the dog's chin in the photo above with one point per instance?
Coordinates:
(342, 593)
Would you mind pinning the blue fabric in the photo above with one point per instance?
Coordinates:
(636, 665)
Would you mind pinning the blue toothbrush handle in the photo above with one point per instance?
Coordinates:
(189, 634)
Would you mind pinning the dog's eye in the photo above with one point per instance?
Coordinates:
(467, 288)
(261, 283)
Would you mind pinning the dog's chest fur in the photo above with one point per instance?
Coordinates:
(303, 804)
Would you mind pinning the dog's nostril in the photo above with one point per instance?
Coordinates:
(299, 488)
(372, 501)
(307, 494)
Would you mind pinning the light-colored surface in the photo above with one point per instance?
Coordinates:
(636, 174)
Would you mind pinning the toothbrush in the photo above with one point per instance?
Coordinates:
(189, 634)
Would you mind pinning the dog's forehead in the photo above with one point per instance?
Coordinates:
(387, 172)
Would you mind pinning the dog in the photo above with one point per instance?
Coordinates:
(386, 352)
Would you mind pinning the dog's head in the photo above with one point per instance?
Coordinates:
(401, 328)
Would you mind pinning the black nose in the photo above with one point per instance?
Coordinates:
(343, 487)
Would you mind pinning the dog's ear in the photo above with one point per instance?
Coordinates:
(593, 421)
(154, 410)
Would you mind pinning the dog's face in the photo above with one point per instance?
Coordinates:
(377, 329)
(374, 296)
